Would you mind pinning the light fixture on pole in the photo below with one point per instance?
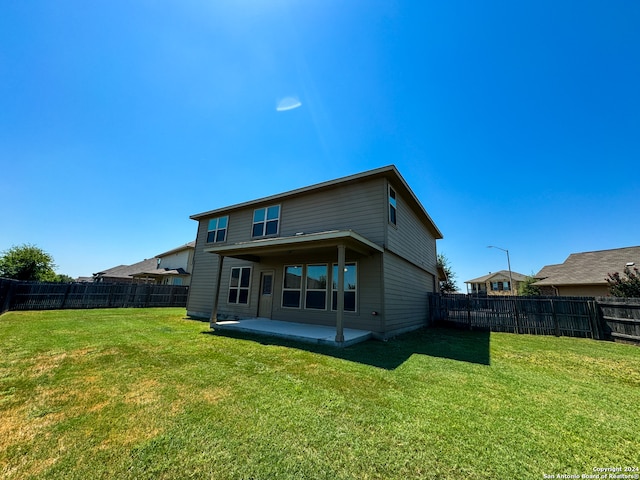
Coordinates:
(509, 264)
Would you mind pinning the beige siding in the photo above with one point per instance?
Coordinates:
(411, 239)
(369, 294)
(355, 207)
(203, 277)
(359, 207)
(394, 284)
(238, 311)
(583, 290)
(406, 287)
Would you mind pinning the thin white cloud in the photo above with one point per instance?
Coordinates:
(288, 103)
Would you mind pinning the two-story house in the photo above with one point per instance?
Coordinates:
(356, 252)
(496, 283)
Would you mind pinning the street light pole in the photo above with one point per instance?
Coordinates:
(509, 264)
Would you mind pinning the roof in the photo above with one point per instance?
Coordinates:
(517, 277)
(161, 272)
(125, 271)
(186, 246)
(390, 172)
(588, 268)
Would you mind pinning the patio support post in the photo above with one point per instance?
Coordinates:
(340, 299)
(214, 313)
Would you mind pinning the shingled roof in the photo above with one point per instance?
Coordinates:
(588, 268)
(125, 271)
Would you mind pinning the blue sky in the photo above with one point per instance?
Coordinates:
(517, 124)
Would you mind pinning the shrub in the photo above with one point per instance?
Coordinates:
(627, 285)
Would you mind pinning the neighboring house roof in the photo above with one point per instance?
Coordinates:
(125, 271)
(588, 268)
(186, 246)
(517, 277)
(390, 172)
(161, 272)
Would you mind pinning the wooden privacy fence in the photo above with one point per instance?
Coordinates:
(16, 295)
(621, 317)
(601, 318)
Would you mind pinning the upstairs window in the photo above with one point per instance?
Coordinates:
(500, 286)
(266, 221)
(392, 207)
(217, 231)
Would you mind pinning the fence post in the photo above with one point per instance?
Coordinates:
(66, 294)
(594, 318)
(556, 324)
(148, 297)
(110, 298)
(515, 306)
(6, 305)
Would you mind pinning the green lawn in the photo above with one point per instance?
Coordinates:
(130, 393)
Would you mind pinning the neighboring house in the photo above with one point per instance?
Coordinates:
(585, 274)
(172, 268)
(123, 273)
(498, 283)
(355, 252)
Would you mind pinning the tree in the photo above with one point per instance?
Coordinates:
(447, 285)
(28, 263)
(527, 287)
(621, 286)
(62, 278)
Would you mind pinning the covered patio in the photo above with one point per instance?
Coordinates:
(334, 243)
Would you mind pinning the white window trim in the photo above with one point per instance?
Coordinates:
(239, 287)
(307, 289)
(285, 289)
(345, 290)
(226, 229)
(264, 222)
(389, 206)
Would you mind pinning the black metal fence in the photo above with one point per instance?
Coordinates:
(15, 295)
(602, 318)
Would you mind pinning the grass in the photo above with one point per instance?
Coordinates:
(129, 393)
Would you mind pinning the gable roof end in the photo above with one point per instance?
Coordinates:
(517, 277)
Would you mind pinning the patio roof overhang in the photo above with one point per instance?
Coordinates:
(302, 242)
(337, 241)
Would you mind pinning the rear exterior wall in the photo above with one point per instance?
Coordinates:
(357, 206)
(410, 269)
(406, 289)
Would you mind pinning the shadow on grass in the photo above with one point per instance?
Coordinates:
(460, 345)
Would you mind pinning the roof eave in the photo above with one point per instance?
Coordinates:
(312, 240)
(386, 171)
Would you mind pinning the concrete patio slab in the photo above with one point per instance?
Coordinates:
(319, 334)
